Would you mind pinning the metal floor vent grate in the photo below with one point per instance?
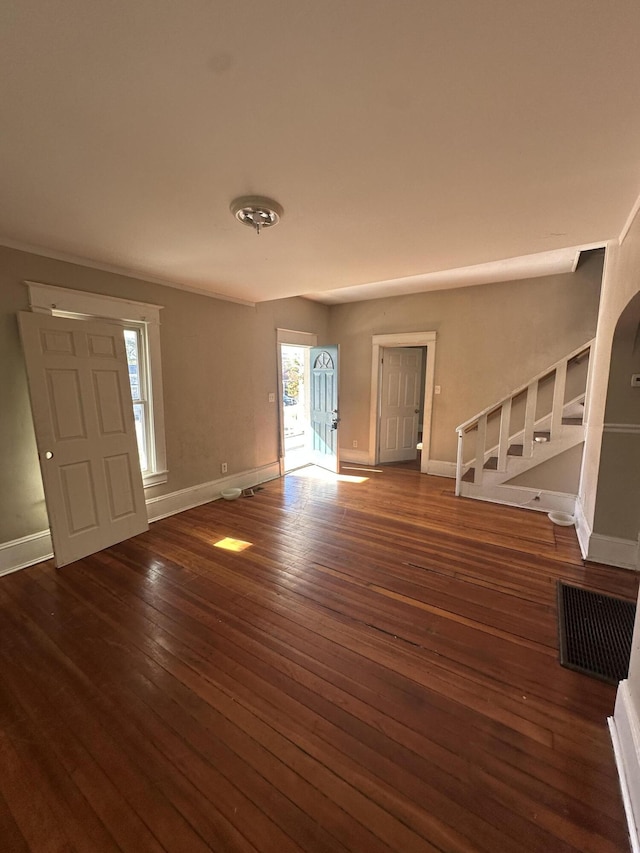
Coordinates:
(595, 632)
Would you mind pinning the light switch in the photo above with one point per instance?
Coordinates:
(635, 380)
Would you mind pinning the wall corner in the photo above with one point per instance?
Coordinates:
(625, 735)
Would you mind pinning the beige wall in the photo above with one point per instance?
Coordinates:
(617, 511)
(609, 488)
(491, 339)
(219, 365)
(623, 401)
(620, 283)
(560, 474)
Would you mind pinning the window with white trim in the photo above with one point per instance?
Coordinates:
(135, 341)
(141, 330)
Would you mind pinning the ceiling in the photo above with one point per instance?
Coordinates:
(404, 140)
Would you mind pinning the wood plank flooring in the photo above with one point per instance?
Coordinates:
(377, 672)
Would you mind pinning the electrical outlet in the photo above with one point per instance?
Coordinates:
(224, 468)
(272, 397)
(436, 390)
(355, 443)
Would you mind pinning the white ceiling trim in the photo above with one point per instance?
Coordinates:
(555, 262)
(117, 270)
(558, 261)
(627, 225)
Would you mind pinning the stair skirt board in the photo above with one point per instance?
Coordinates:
(539, 500)
(518, 464)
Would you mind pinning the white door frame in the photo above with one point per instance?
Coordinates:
(293, 338)
(402, 339)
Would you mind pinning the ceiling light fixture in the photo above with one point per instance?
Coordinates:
(256, 211)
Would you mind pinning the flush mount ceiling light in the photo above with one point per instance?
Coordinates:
(257, 211)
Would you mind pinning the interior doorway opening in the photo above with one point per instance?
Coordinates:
(426, 343)
(401, 405)
(295, 405)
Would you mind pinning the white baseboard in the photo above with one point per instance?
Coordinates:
(540, 500)
(623, 553)
(357, 457)
(439, 468)
(625, 734)
(20, 553)
(166, 505)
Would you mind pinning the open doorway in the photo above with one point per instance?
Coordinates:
(412, 427)
(308, 376)
(295, 405)
(401, 406)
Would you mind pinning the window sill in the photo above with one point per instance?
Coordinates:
(155, 479)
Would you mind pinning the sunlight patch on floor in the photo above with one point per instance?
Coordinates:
(229, 544)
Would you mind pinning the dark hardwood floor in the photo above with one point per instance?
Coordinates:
(378, 671)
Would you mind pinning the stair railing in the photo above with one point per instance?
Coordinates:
(478, 423)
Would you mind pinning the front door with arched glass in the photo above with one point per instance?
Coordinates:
(324, 407)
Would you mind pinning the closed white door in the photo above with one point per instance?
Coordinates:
(400, 403)
(85, 433)
(324, 407)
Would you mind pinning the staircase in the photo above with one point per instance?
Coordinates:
(533, 424)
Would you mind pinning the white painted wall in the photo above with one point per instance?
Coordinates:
(620, 283)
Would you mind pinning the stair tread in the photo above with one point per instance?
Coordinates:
(469, 476)
(491, 464)
(572, 421)
(515, 450)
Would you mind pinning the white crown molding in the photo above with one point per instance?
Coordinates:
(140, 275)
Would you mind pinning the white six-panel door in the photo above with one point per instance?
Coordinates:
(400, 403)
(85, 433)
